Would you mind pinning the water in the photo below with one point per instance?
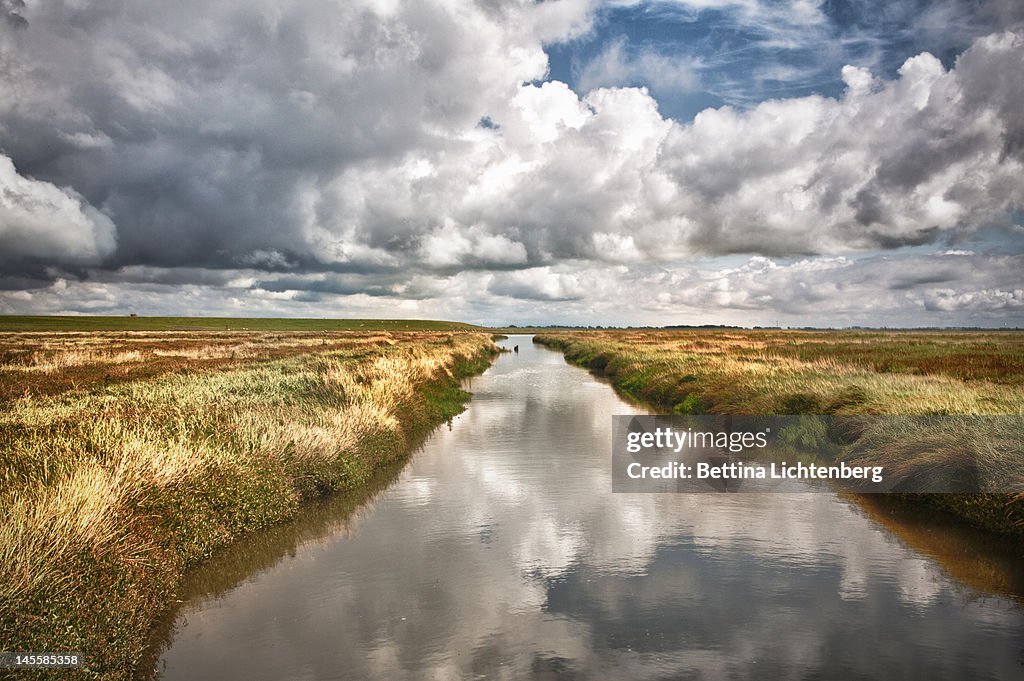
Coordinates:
(499, 552)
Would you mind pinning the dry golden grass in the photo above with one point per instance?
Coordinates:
(763, 372)
(110, 489)
(46, 363)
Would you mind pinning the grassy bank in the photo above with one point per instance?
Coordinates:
(844, 373)
(112, 488)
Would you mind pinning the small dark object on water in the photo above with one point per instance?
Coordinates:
(516, 348)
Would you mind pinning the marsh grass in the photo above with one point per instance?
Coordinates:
(110, 490)
(787, 372)
(842, 373)
(35, 364)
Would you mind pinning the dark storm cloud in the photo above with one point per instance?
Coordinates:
(175, 276)
(16, 282)
(336, 285)
(12, 10)
(211, 132)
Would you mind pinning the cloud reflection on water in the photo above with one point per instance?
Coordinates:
(502, 552)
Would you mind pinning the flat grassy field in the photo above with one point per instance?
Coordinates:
(808, 372)
(839, 373)
(124, 323)
(127, 456)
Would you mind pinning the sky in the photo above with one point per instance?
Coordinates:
(592, 162)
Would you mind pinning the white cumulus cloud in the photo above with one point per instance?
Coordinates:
(41, 221)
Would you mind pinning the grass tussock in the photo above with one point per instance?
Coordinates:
(841, 373)
(110, 490)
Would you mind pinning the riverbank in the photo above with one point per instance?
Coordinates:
(113, 488)
(843, 373)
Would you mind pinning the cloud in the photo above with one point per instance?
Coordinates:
(449, 246)
(949, 300)
(789, 21)
(918, 289)
(209, 140)
(338, 149)
(745, 51)
(12, 13)
(890, 164)
(540, 283)
(617, 65)
(878, 290)
(43, 223)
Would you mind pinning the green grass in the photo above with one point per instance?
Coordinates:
(96, 323)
